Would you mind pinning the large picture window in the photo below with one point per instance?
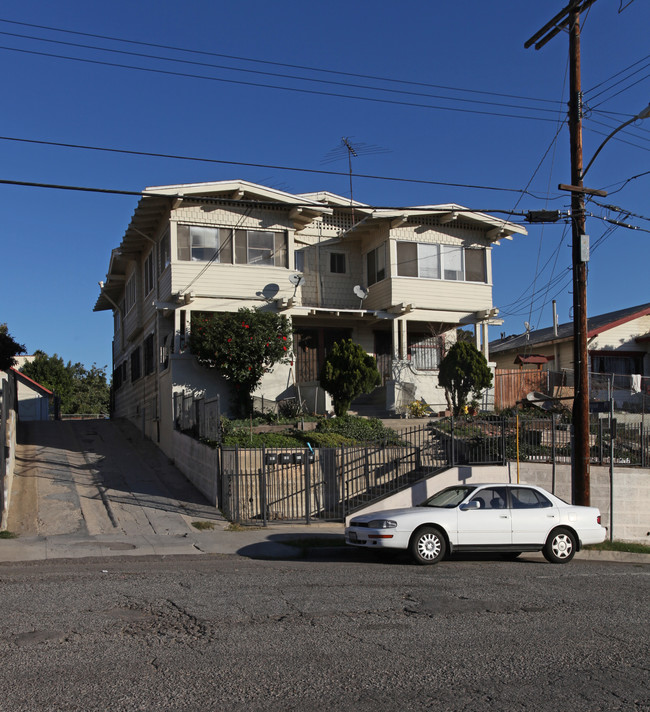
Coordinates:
(203, 244)
(448, 262)
(214, 244)
(258, 247)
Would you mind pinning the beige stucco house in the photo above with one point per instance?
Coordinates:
(398, 282)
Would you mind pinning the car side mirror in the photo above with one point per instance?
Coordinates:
(474, 504)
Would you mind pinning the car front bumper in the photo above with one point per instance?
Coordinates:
(377, 538)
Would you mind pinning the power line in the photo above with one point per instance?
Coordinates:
(277, 64)
(274, 74)
(617, 74)
(239, 82)
(60, 144)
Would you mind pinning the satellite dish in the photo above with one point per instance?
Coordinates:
(297, 280)
(361, 292)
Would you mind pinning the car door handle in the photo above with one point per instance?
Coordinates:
(503, 516)
(551, 516)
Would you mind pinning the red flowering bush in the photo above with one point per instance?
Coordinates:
(241, 346)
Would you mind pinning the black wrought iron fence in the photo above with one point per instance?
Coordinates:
(275, 484)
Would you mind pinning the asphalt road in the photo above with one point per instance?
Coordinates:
(349, 633)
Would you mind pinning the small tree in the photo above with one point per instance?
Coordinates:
(241, 347)
(464, 370)
(8, 349)
(80, 390)
(348, 372)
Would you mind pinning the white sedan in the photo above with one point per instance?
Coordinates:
(509, 519)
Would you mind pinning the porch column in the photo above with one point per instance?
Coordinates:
(404, 343)
(395, 340)
(477, 336)
(486, 348)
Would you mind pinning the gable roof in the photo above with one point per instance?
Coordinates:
(595, 325)
(31, 383)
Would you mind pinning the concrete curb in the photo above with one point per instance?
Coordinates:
(273, 542)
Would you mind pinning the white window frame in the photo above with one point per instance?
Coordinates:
(441, 262)
(149, 273)
(130, 294)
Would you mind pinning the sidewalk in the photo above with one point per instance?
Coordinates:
(263, 542)
(277, 541)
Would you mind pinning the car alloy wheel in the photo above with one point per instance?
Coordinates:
(560, 546)
(428, 546)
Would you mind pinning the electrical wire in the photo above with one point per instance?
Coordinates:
(442, 209)
(149, 154)
(276, 74)
(277, 64)
(625, 182)
(239, 82)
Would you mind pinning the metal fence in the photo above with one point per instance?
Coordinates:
(326, 484)
(201, 417)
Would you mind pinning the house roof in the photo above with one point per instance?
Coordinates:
(450, 213)
(31, 383)
(595, 325)
(533, 358)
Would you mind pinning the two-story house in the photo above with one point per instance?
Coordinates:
(399, 282)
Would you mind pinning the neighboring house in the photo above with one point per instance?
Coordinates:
(33, 399)
(619, 351)
(398, 282)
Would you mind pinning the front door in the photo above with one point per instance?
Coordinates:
(490, 524)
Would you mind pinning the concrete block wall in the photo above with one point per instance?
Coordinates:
(199, 463)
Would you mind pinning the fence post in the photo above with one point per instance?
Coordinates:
(600, 441)
(642, 443)
(263, 487)
(553, 458)
(344, 483)
(504, 458)
(307, 470)
(453, 443)
(218, 433)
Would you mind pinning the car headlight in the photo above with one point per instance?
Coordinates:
(382, 524)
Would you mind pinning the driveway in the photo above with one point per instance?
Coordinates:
(98, 477)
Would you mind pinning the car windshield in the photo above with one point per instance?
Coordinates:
(448, 498)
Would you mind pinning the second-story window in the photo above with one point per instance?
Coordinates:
(262, 248)
(447, 262)
(164, 252)
(129, 295)
(337, 262)
(376, 264)
(204, 244)
(149, 273)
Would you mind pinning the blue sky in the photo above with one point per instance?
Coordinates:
(465, 59)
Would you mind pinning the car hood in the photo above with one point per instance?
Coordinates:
(397, 513)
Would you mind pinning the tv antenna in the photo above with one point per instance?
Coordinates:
(348, 149)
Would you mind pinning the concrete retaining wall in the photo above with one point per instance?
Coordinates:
(199, 463)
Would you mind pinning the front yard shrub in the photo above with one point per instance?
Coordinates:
(359, 430)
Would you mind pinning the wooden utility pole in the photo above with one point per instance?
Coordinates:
(581, 450)
(569, 19)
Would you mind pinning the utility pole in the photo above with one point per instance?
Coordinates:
(580, 250)
(569, 19)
